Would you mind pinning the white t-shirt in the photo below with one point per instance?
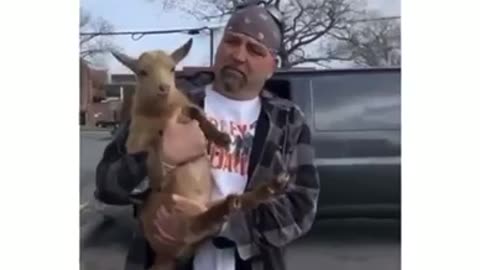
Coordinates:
(237, 118)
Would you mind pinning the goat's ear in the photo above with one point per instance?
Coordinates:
(181, 52)
(128, 61)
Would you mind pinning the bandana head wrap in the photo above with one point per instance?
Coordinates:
(256, 22)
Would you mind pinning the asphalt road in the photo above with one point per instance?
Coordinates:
(91, 147)
(353, 244)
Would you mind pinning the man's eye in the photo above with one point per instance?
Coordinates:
(231, 41)
(256, 50)
(142, 73)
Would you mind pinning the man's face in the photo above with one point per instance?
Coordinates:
(242, 62)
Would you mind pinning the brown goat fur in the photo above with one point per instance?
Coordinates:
(157, 100)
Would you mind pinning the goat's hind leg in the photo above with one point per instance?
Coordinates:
(263, 193)
(216, 214)
(219, 211)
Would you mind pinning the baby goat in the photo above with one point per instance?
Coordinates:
(157, 100)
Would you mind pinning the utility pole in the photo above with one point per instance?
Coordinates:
(211, 46)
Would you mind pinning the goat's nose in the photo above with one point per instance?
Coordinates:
(164, 87)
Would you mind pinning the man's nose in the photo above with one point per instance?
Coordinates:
(240, 54)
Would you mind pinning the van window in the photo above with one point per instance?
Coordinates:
(357, 101)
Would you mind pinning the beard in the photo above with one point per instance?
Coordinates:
(232, 79)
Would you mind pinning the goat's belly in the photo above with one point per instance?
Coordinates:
(148, 215)
(193, 181)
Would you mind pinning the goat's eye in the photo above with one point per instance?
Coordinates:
(173, 69)
(142, 73)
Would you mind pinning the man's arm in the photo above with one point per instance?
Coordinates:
(119, 173)
(288, 216)
(291, 215)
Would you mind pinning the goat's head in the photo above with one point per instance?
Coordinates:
(155, 71)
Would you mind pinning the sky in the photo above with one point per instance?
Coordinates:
(148, 15)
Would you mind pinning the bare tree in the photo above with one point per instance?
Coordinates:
(373, 43)
(93, 47)
(306, 23)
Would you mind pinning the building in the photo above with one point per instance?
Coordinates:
(92, 92)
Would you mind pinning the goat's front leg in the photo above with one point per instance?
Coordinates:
(140, 137)
(211, 132)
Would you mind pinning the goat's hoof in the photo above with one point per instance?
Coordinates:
(223, 140)
(280, 183)
(234, 203)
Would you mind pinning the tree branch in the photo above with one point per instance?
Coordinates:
(313, 37)
(277, 4)
(319, 61)
(96, 44)
(295, 20)
(306, 21)
(85, 53)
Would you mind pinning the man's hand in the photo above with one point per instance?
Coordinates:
(170, 225)
(182, 142)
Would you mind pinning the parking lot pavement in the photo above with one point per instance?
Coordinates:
(92, 144)
(356, 244)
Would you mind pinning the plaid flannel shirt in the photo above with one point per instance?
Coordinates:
(258, 235)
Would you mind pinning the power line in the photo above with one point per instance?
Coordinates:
(137, 35)
(189, 31)
(196, 31)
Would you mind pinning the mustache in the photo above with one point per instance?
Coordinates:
(226, 69)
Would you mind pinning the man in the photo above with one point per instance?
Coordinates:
(261, 127)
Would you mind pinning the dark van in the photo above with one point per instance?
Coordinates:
(354, 115)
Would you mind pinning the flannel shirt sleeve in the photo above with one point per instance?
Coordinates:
(291, 215)
(288, 216)
(119, 174)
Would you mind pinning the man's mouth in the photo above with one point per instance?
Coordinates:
(234, 71)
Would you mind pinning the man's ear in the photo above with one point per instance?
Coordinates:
(276, 62)
(274, 68)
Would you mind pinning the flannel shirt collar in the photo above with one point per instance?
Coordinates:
(268, 100)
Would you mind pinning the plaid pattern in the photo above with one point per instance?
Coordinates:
(259, 235)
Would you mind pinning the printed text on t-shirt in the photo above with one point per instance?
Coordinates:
(236, 159)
